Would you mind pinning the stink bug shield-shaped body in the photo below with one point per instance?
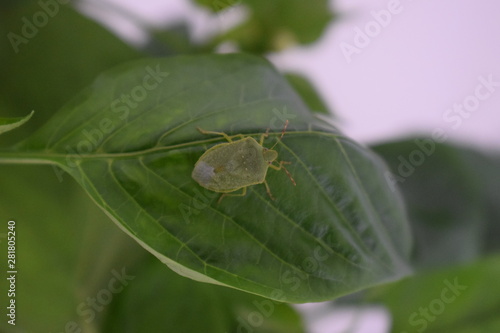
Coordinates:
(235, 165)
(228, 167)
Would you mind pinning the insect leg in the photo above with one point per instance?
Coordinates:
(227, 137)
(263, 136)
(242, 194)
(268, 190)
(282, 133)
(281, 166)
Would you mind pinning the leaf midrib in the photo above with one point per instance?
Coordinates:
(54, 155)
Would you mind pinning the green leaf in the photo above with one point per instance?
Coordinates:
(176, 301)
(8, 124)
(452, 198)
(308, 93)
(131, 142)
(461, 300)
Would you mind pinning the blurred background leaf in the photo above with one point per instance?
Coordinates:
(274, 25)
(171, 40)
(162, 301)
(61, 258)
(452, 198)
(64, 56)
(460, 299)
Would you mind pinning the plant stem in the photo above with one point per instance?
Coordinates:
(10, 157)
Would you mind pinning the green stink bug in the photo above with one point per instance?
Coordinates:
(235, 165)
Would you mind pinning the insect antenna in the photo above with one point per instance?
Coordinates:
(282, 133)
